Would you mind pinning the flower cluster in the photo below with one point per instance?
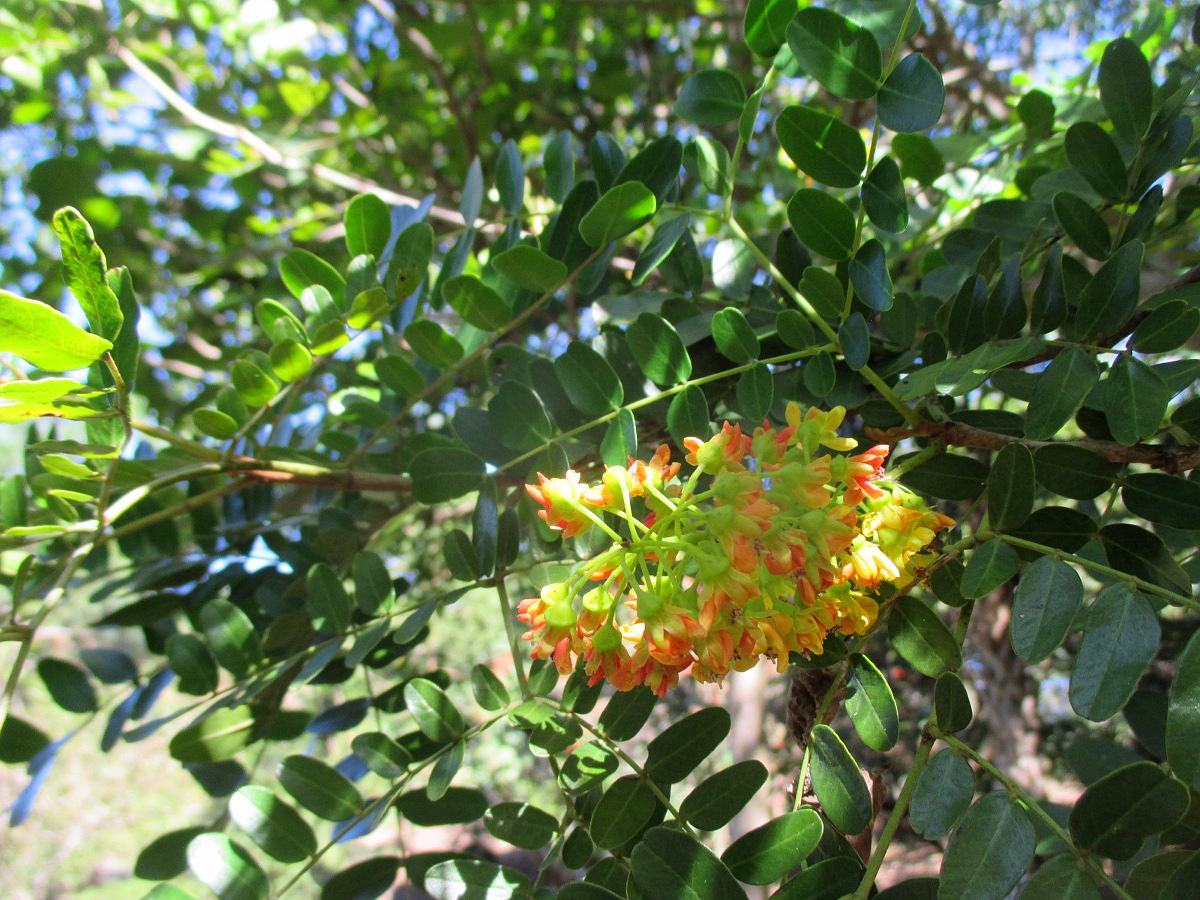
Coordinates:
(770, 545)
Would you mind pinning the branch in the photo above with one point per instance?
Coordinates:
(265, 150)
(1172, 459)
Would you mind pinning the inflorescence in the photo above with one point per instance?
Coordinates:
(767, 547)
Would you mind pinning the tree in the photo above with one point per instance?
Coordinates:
(644, 375)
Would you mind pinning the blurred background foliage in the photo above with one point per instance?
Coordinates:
(204, 140)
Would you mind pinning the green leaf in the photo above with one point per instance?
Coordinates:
(1135, 401)
(558, 160)
(823, 223)
(656, 166)
(1011, 487)
(711, 97)
(373, 589)
(623, 810)
(1111, 296)
(626, 713)
(444, 473)
(709, 161)
(410, 259)
(366, 880)
(1060, 878)
(868, 272)
(85, 272)
(659, 247)
(459, 556)
(989, 852)
(458, 806)
(398, 374)
(490, 692)
(669, 863)
(676, 751)
(1120, 639)
(658, 349)
(530, 268)
(226, 869)
(587, 767)
(837, 782)
(472, 193)
(884, 198)
(912, 97)
(770, 851)
(434, 712)
(1142, 553)
(822, 146)
(231, 636)
(951, 704)
(1036, 112)
(794, 329)
(485, 523)
(273, 825)
(521, 825)
(688, 415)
(300, 269)
(216, 738)
(620, 439)
(1118, 812)
(1083, 225)
(824, 290)
(166, 856)
(44, 337)
(829, 879)
(1074, 472)
(433, 343)
(475, 879)
(1150, 877)
(368, 226)
(189, 658)
(919, 157)
(477, 303)
(1166, 328)
(590, 382)
(1045, 603)
(383, 756)
(1183, 715)
(766, 23)
(734, 336)
(871, 704)
(949, 475)
(990, 565)
(518, 418)
(321, 789)
(1092, 153)
(819, 374)
(510, 178)
(1163, 499)
(756, 392)
(327, 600)
(290, 361)
(1060, 391)
(843, 56)
(620, 210)
(68, 685)
(922, 638)
(943, 793)
(1126, 89)
(444, 770)
(20, 742)
(254, 385)
(715, 801)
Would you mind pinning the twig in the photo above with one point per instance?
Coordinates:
(1173, 459)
